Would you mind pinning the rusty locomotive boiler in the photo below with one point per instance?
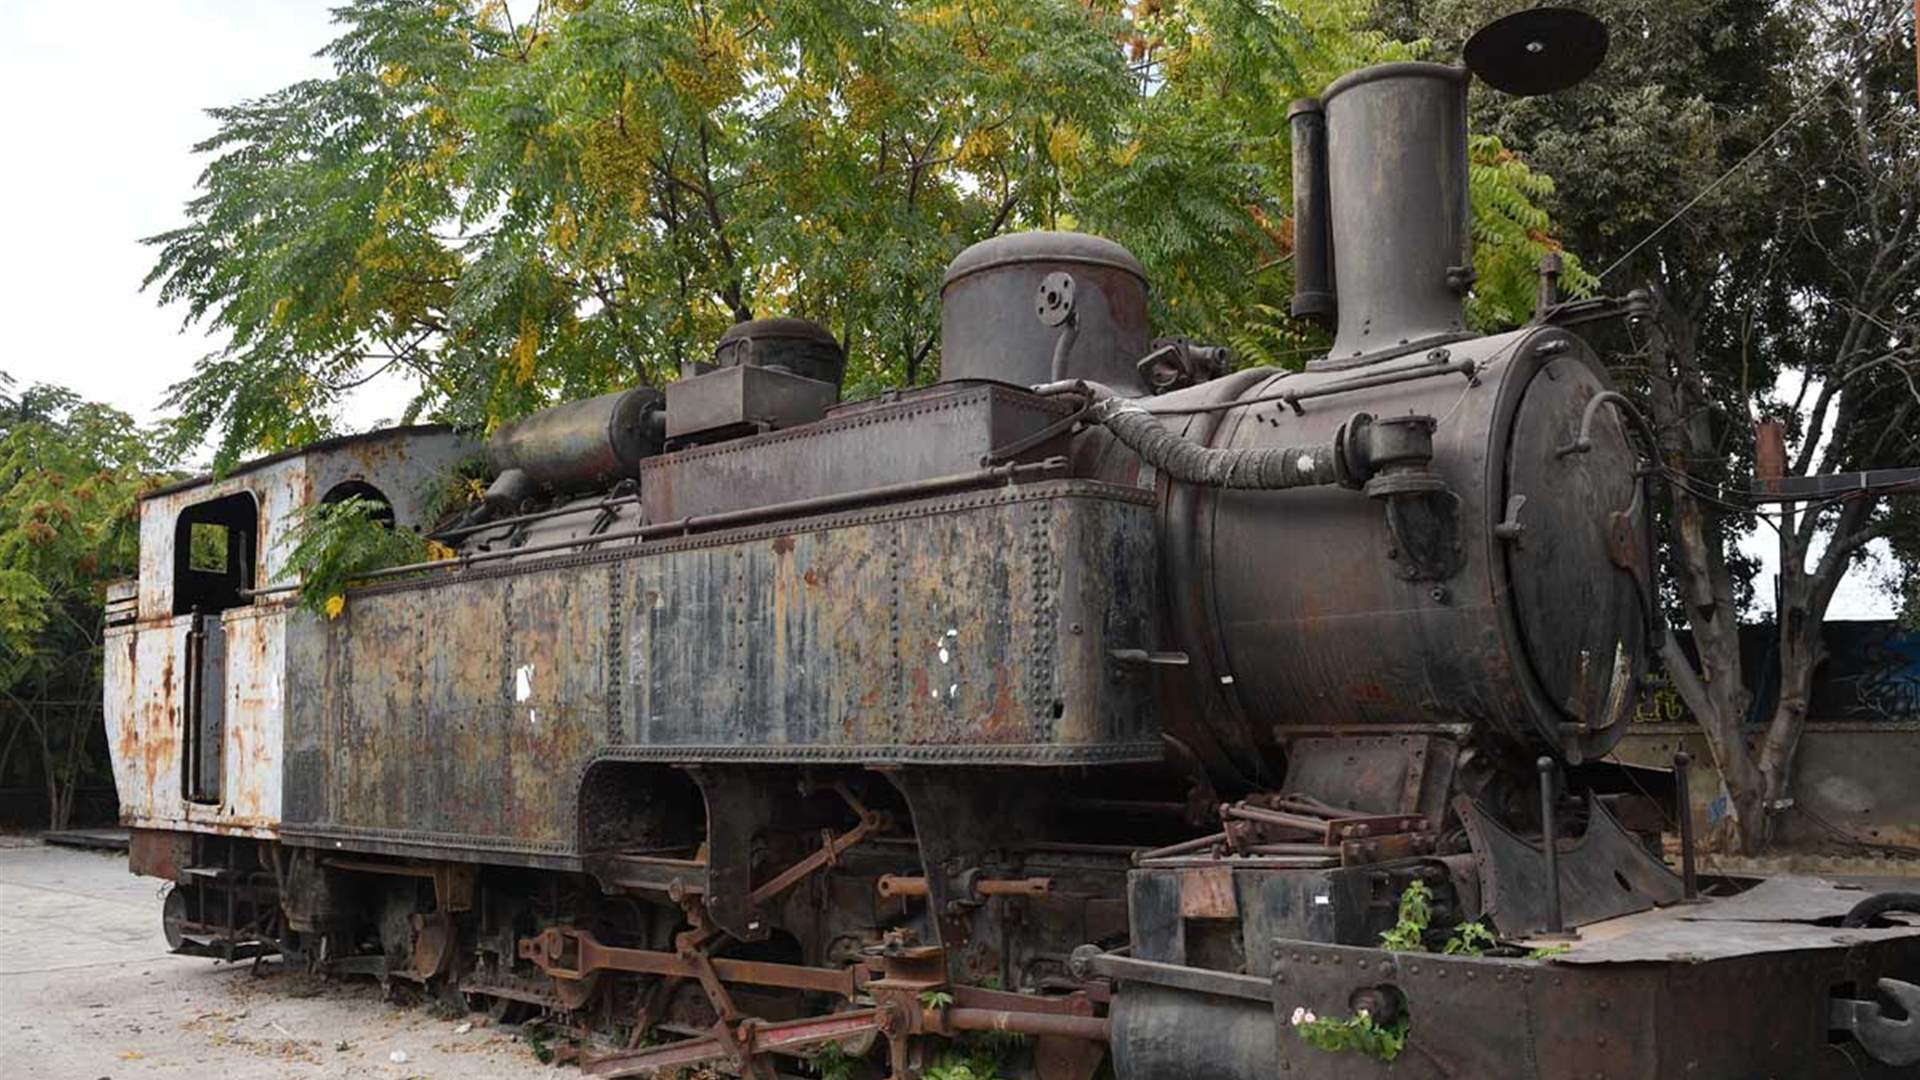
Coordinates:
(1093, 694)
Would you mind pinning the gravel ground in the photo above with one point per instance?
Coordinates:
(88, 991)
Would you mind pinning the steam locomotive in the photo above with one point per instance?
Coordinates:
(1095, 700)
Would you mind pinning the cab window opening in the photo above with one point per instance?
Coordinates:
(214, 546)
(382, 512)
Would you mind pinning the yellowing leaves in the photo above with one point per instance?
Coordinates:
(868, 94)
(336, 604)
(981, 146)
(526, 352)
(1064, 142)
(616, 159)
(564, 228)
(717, 74)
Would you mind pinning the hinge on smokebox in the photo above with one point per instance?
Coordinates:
(1295, 831)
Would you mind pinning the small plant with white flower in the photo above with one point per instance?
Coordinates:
(1358, 1033)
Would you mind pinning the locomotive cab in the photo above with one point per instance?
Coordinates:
(196, 663)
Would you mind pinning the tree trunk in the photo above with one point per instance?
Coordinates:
(49, 770)
(1715, 690)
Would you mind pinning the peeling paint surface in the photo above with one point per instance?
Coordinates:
(462, 710)
(146, 681)
(255, 719)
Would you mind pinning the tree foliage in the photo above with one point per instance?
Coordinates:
(515, 211)
(331, 544)
(71, 472)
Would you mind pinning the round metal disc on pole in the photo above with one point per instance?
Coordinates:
(1537, 51)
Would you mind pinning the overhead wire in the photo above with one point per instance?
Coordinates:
(1812, 100)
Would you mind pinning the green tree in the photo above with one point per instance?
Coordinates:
(70, 475)
(1783, 135)
(514, 212)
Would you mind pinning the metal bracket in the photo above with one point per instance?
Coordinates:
(1893, 1042)
(1604, 873)
(1510, 529)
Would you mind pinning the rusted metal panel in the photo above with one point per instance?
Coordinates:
(938, 431)
(1485, 1016)
(557, 635)
(147, 736)
(465, 697)
(308, 761)
(1102, 555)
(473, 739)
(973, 627)
(969, 628)
(158, 853)
(1207, 893)
(146, 717)
(380, 642)
(977, 627)
(252, 723)
(120, 700)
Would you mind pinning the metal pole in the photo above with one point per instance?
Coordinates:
(1688, 882)
(1556, 926)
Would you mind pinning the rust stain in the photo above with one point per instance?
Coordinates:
(1004, 721)
(815, 578)
(1368, 694)
(917, 699)
(1208, 894)
(782, 544)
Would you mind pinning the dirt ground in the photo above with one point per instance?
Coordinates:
(88, 991)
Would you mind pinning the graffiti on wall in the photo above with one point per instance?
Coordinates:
(1886, 685)
(1872, 674)
(1659, 702)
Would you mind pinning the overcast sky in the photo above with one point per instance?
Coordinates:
(104, 102)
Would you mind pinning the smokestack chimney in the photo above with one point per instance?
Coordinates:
(1397, 180)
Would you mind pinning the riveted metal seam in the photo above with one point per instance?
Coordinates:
(1055, 489)
(882, 753)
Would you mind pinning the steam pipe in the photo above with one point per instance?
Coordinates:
(1271, 468)
(1683, 799)
(1063, 347)
(1550, 845)
(1314, 298)
(1089, 1028)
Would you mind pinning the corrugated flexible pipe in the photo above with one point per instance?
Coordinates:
(1270, 468)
